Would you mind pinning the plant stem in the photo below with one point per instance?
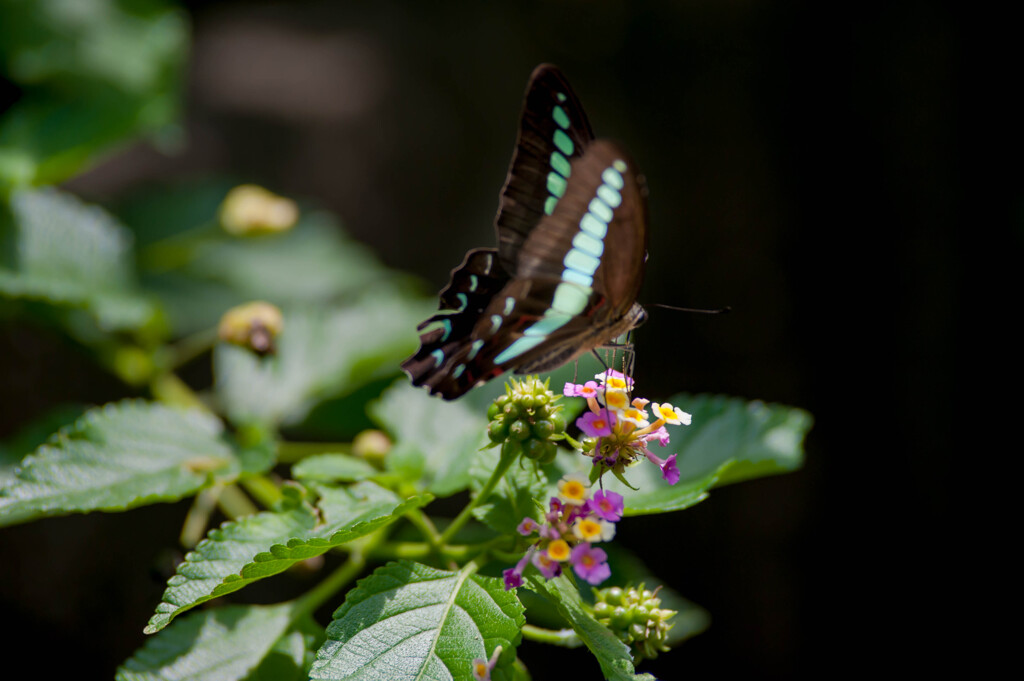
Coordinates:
(188, 348)
(169, 389)
(565, 638)
(233, 502)
(426, 527)
(198, 516)
(503, 465)
(263, 489)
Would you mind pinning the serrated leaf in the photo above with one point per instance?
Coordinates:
(321, 353)
(410, 621)
(435, 441)
(72, 254)
(116, 457)
(253, 548)
(333, 467)
(223, 644)
(612, 654)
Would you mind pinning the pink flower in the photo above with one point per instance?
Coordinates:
(669, 469)
(590, 564)
(527, 527)
(548, 567)
(588, 389)
(596, 425)
(607, 505)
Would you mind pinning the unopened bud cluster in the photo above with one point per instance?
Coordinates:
(635, 615)
(526, 419)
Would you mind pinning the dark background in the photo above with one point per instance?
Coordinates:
(809, 165)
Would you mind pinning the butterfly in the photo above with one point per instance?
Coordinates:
(572, 243)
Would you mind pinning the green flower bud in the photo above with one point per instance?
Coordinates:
(542, 430)
(519, 430)
(636, 617)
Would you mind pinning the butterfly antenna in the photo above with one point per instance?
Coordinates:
(721, 310)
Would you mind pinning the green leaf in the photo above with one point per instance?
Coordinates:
(87, 80)
(729, 440)
(223, 644)
(256, 547)
(200, 274)
(612, 654)
(290, 658)
(72, 254)
(410, 621)
(333, 467)
(435, 441)
(515, 497)
(321, 353)
(116, 457)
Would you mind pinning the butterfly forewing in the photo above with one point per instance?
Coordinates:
(553, 130)
(572, 237)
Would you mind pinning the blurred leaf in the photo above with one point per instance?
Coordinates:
(411, 621)
(69, 253)
(92, 74)
(201, 274)
(515, 497)
(612, 654)
(224, 644)
(116, 457)
(321, 353)
(333, 467)
(265, 544)
(435, 441)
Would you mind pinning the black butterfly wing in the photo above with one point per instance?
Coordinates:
(553, 131)
(574, 288)
(470, 290)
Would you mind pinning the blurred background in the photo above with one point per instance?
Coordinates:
(807, 167)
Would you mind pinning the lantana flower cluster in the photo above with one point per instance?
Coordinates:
(619, 428)
(566, 535)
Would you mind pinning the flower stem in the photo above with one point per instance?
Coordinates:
(565, 638)
(188, 348)
(503, 465)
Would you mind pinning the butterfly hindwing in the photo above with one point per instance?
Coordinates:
(442, 337)
(553, 130)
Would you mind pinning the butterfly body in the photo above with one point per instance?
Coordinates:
(572, 241)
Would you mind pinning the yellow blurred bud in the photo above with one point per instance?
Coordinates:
(371, 444)
(248, 209)
(252, 325)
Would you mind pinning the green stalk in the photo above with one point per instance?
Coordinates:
(262, 489)
(565, 638)
(503, 465)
